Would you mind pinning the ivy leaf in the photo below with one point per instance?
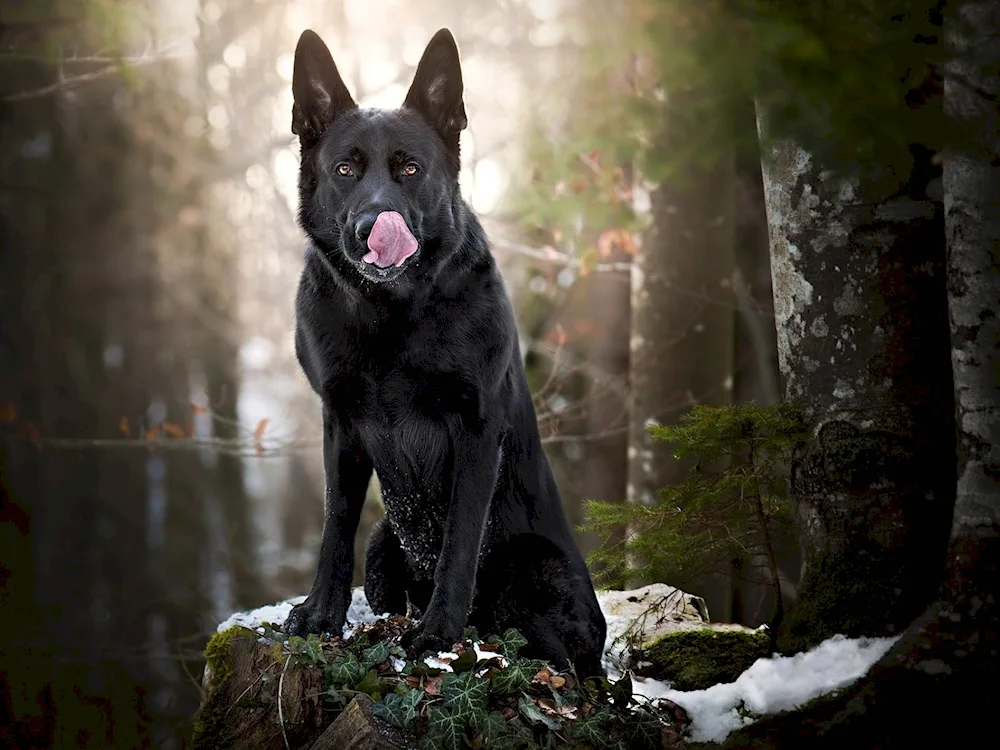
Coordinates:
(492, 727)
(512, 642)
(465, 662)
(411, 699)
(399, 709)
(465, 695)
(515, 677)
(470, 633)
(375, 655)
(593, 730)
(296, 644)
(344, 671)
(532, 713)
(391, 710)
(621, 691)
(313, 649)
(420, 669)
(444, 731)
(370, 684)
(643, 731)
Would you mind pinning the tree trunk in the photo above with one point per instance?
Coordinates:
(861, 317)
(607, 354)
(683, 318)
(972, 204)
(948, 657)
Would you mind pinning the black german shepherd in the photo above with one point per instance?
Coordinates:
(405, 331)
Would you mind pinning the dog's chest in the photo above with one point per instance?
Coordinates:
(403, 424)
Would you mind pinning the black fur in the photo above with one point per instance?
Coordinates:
(420, 377)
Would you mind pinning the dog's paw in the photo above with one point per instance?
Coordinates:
(313, 617)
(418, 640)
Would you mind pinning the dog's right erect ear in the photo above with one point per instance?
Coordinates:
(319, 92)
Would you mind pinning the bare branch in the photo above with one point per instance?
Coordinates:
(551, 255)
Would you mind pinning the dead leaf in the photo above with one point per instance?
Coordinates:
(153, 432)
(123, 426)
(544, 675)
(432, 685)
(557, 681)
(619, 238)
(259, 430)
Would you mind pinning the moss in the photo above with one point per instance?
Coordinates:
(698, 659)
(208, 723)
(835, 587)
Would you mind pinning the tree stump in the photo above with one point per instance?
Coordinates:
(358, 729)
(245, 683)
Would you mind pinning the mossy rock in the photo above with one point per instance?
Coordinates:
(699, 658)
(239, 708)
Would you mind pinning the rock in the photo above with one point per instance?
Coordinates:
(697, 659)
(640, 616)
(662, 632)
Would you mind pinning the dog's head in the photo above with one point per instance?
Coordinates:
(378, 188)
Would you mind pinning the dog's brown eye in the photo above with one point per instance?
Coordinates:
(411, 169)
(344, 170)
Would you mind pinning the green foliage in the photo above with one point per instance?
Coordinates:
(730, 505)
(509, 644)
(516, 677)
(856, 83)
(493, 703)
(54, 31)
(847, 80)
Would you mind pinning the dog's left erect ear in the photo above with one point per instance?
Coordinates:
(436, 91)
(320, 95)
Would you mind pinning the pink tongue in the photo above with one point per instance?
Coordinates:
(390, 241)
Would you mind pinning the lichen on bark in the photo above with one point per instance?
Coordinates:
(972, 216)
(861, 317)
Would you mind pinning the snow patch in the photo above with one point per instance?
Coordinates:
(358, 613)
(780, 683)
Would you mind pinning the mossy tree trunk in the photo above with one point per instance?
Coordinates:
(861, 317)
(948, 657)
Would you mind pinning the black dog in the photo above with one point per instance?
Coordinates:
(407, 334)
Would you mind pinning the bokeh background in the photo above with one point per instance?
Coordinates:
(160, 448)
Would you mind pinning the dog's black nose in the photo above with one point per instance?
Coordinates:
(363, 225)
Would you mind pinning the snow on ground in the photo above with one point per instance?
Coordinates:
(358, 613)
(780, 683)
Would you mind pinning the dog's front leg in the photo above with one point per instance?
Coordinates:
(348, 471)
(477, 459)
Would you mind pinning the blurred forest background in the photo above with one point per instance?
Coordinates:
(160, 448)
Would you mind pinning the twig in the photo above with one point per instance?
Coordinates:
(281, 715)
(230, 446)
(76, 80)
(249, 687)
(551, 255)
(191, 677)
